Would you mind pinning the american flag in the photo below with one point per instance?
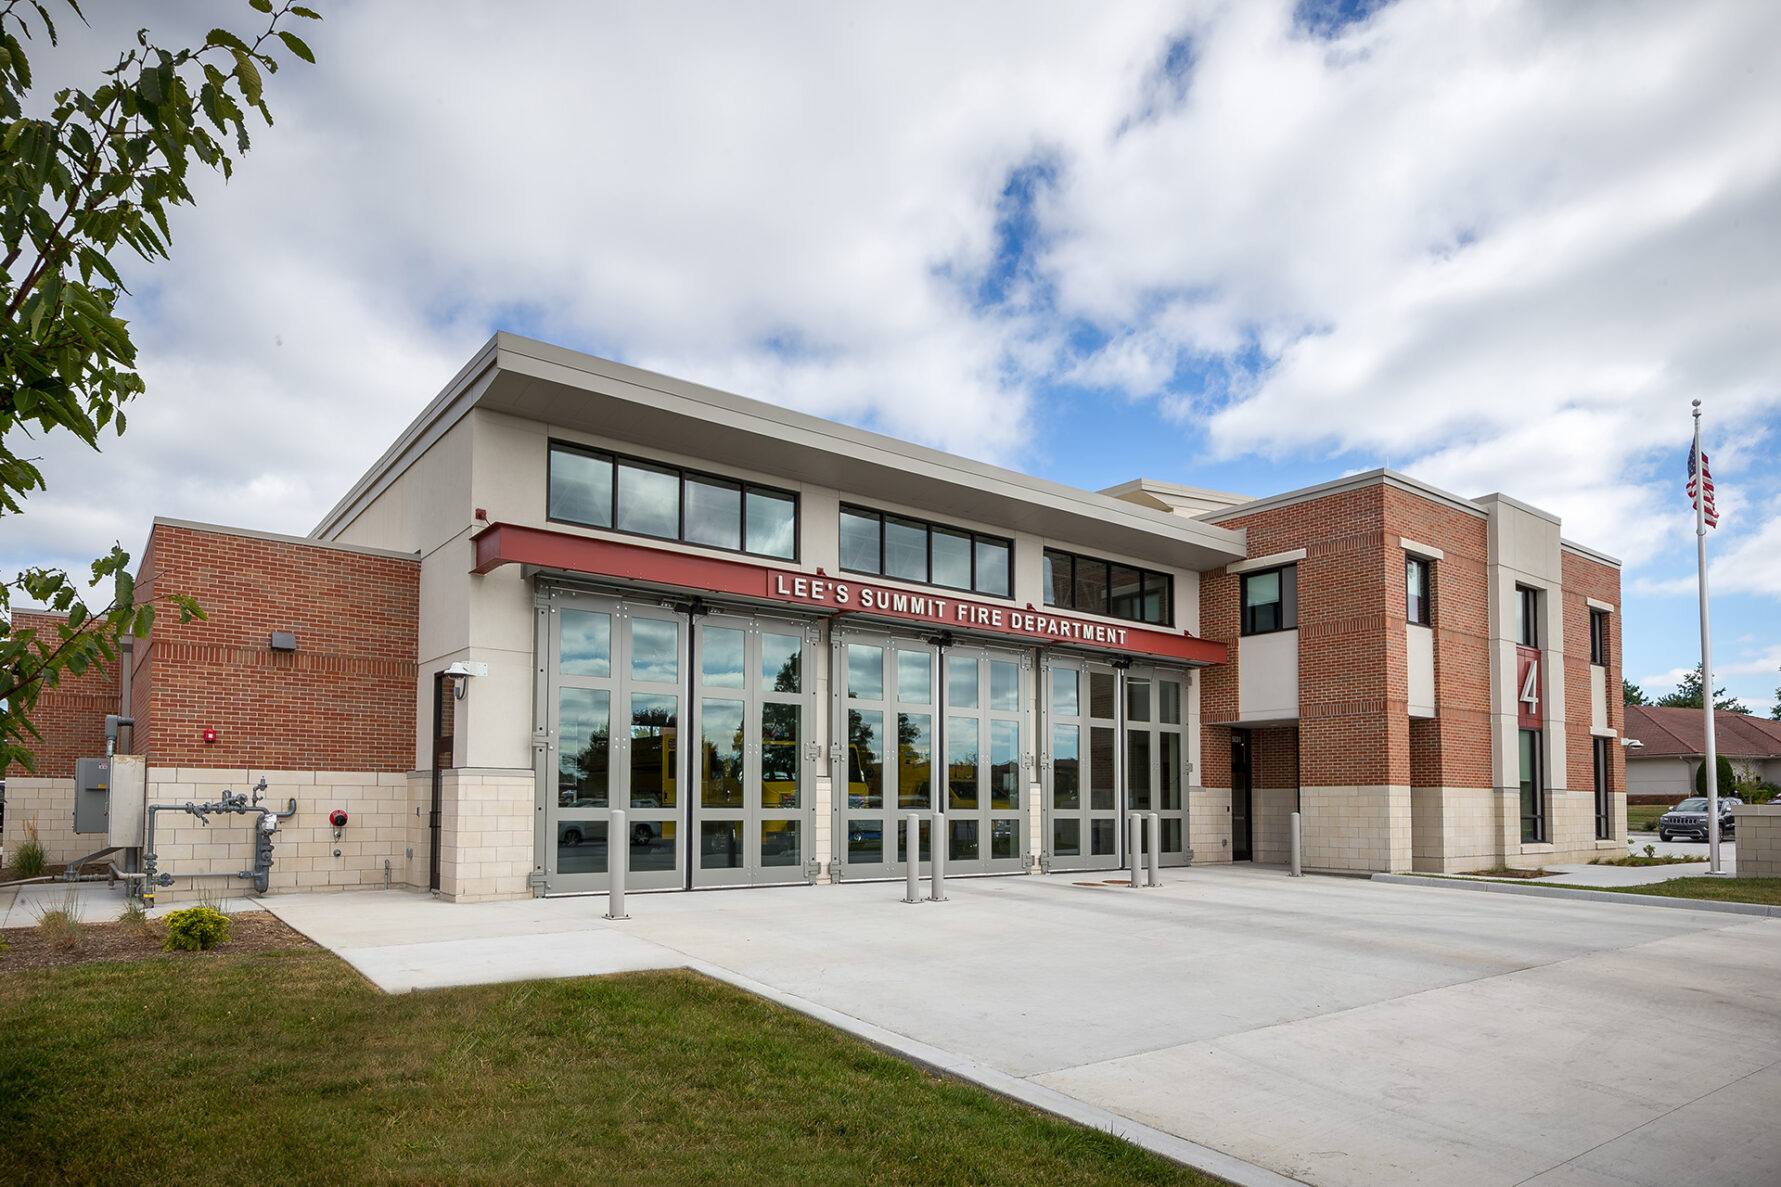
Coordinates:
(1700, 488)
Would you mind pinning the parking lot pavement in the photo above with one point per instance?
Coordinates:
(1332, 1030)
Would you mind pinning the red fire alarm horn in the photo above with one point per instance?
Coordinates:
(209, 736)
(337, 818)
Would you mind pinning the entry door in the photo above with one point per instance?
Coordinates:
(983, 727)
(750, 806)
(1156, 754)
(613, 741)
(1242, 786)
(882, 765)
(1080, 763)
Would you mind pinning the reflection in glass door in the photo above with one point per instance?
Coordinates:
(1116, 745)
(1081, 766)
(1156, 754)
(614, 727)
(984, 818)
(749, 803)
(884, 692)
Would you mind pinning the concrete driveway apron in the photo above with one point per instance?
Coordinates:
(1329, 1030)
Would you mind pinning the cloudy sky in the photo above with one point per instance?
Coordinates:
(1246, 245)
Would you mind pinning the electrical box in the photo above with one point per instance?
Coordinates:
(92, 794)
(129, 800)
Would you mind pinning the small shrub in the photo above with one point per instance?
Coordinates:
(1728, 778)
(29, 862)
(1651, 851)
(196, 929)
(61, 925)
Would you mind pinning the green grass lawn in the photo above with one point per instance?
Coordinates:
(1725, 890)
(1763, 891)
(1643, 817)
(289, 1068)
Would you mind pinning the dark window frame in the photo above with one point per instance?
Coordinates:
(928, 527)
(1604, 797)
(1598, 637)
(1147, 579)
(1289, 600)
(682, 474)
(1426, 568)
(1527, 615)
(1534, 822)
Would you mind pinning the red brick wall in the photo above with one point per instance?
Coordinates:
(343, 701)
(71, 715)
(1584, 578)
(1353, 676)
(1452, 750)
(1273, 758)
(1352, 686)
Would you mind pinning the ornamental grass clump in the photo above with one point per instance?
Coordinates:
(134, 917)
(196, 929)
(28, 861)
(61, 925)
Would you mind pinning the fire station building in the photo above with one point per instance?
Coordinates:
(572, 586)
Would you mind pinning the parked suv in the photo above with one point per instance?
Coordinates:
(1689, 819)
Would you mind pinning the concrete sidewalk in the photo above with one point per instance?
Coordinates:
(1329, 1030)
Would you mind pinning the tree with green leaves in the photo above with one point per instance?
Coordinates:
(87, 176)
(1632, 694)
(1688, 696)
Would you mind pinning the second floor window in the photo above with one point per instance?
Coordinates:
(1527, 616)
(1099, 586)
(1271, 600)
(1598, 637)
(904, 549)
(604, 490)
(1416, 579)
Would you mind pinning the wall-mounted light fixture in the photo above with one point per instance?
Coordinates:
(283, 640)
(460, 672)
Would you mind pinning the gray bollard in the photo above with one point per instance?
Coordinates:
(912, 834)
(618, 856)
(1135, 847)
(1153, 828)
(1298, 848)
(938, 866)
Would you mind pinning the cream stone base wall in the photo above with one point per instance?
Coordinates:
(371, 851)
(1270, 833)
(1759, 840)
(1454, 829)
(486, 835)
(1356, 829)
(49, 804)
(1209, 824)
(1458, 830)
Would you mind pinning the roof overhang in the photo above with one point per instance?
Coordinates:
(568, 390)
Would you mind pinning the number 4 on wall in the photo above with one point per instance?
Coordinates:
(1530, 688)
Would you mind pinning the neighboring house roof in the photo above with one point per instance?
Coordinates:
(1673, 732)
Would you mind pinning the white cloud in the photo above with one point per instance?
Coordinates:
(1499, 244)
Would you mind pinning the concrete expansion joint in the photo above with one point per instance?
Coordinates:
(1713, 1091)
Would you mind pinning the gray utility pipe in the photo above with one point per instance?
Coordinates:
(237, 803)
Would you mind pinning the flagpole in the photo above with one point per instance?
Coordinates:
(1712, 756)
